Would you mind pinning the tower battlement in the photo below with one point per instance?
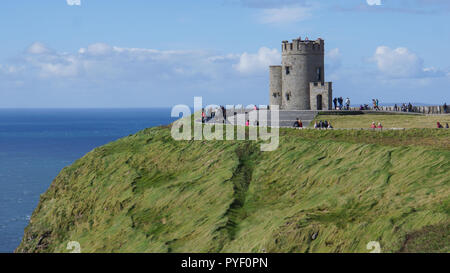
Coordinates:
(323, 85)
(299, 46)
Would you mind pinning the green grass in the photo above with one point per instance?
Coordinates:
(150, 193)
(431, 138)
(387, 120)
(428, 240)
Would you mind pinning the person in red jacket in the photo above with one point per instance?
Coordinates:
(203, 116)
(373, 126)
(298, 124)
(379, 125)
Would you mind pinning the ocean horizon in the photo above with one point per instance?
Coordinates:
(36, 143)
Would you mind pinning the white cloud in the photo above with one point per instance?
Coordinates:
(397, 63)
(102, 62)
(402, 63)
(399, 6)
(69, 68)
(333, 63)
(73, 2)
(284, 15)
(96, 49)
(38, 48)
(333, 59)
(374, 2)
(253, 63)
(9, 69)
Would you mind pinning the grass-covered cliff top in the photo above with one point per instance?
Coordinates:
(387, 120)
(320, 191)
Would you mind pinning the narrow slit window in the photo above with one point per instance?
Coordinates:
(288, 70)
(319, 74)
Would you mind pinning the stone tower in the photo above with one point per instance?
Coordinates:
(302, 64)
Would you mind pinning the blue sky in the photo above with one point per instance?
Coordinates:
(140, 53)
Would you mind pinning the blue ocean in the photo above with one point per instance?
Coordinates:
(36, 144)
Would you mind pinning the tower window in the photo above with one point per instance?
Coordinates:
(288, 70)
(288, 96)
(319, 74)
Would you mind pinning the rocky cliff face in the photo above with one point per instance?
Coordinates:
(316, 193)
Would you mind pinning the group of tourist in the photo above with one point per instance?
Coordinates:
(255, 123)
(339, 103)
(376, 126)
(375, 103)
(317, 125)
(440, 126)
(364, 107)
(323, 124)
(298, 124)
(404, 108)
(211, 113)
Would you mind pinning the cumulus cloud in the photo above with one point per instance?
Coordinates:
(258, 62)
(279, 11)
(38, 48)
(123, 75)
(96, 49)
(102, 62)
(284, 15)
(333, 59)
(73, 2)
(374, 2)
(398, 6)
(271, 3)
(402, 63)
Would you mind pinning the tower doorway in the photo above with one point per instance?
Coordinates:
(319, 102)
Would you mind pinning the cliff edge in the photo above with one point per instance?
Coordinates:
(318, 192)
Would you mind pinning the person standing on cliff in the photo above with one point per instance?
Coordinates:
(224, 113)
(335, 103)
(341, 101)
(347, 103)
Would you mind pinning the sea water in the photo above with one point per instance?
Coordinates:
(35, 144)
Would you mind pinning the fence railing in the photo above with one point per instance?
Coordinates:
(414, 109)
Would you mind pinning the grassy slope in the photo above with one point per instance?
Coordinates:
(388, 121)
(149, 193)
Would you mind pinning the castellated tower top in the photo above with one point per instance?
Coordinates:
(299, 46)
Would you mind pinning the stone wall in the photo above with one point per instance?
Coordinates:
(323, 89)
(275, 86)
